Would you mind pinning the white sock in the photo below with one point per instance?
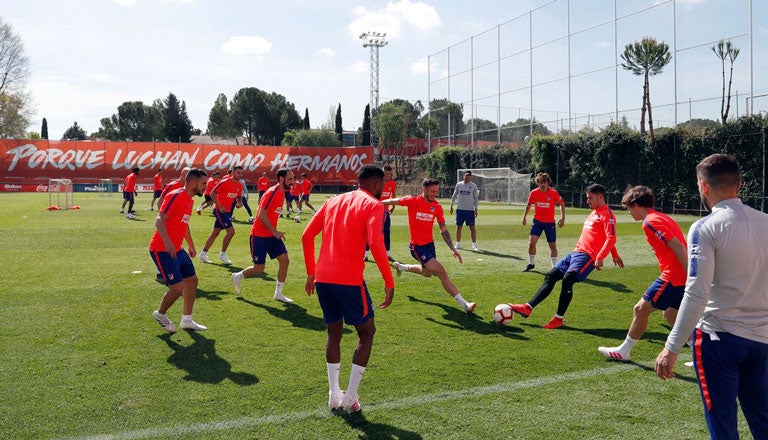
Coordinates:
(333, 377)
(279, 288)
(627, 345)
(554, 261)
(402, 267)
(186, 318)
(366, 254)
(460, 300)
(474, 243)
(354, 379)
(203, 253)
(531, 258)
(558, 316)
(388, 255)
(458, 243)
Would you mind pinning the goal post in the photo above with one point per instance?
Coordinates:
(499, 184)
(60, 195)
(105, 188)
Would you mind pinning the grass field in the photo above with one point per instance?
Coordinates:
(81, 356)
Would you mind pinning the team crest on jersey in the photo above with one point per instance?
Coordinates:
(170, 277)
(432, 209)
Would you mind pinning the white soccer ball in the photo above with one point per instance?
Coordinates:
(503, 314)
(297, 219)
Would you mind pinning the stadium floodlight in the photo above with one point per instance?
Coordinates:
(374, 40)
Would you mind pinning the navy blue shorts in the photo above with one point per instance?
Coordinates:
(263, 246)
(208, 198)
(423, 253)
(127, 195)
(579, 262)
(465, 216)
(548, 228)
(157, 193)
(663, 295)
(305, 197)
(173, 270)
(223, 219)
(352, 303)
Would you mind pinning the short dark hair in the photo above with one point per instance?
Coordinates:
(303, 174)
(429, 181)
(238, 167)
(720, 171)
(639, 195)
(282, 172)
(196, 173)
(370, 171)
(596, 188)
(135, 170)
(387, 167)
(467, 172)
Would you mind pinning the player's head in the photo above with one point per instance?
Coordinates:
(430, 188)
(387, 172)
(196, 179)
(718, 178)
(371, 179)
(285, 178)
(543, 180)
(468, 177)
(184, 172)
(135, 170)
(638, 199)
(237, 172)
(263, 174)
(303, 175)
(595, 195)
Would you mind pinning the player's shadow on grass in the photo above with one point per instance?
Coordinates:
(470, 321)
(292, 313)
(618, 335)
(650, 368)
(262, 276)
(376, 431)
(494, 254)
(211, 295)
(202, 363)
(616, 287)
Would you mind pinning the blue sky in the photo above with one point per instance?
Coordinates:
(89, 56)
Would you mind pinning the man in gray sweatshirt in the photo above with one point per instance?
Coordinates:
(466, 211)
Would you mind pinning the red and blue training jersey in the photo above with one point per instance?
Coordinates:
(178, 207)
(421, 218)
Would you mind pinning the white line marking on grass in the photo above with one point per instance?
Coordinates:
(249, 422)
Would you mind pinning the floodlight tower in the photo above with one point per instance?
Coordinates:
(374, 40)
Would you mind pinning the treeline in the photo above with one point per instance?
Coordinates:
(618, 156)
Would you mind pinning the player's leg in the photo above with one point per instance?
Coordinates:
(282, 274)
(169, 269)
(332, 315)
(473, 234)
(227, 239)
(753, 389)
(435, 267)
(203, 256)
(458, 235)
(716, 363)
(550, 279)
(387, 228)
(533, 238)
(358, 311)
(640, 313)
(309, 204)
(422, 256)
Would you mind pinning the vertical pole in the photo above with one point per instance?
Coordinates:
(429, 102)
(616, 60)
(449, 95)
(568, 30)
(530, 67)
(674, 51)
(751, 110)
(498, 86)
(762, 196)
(472, 91)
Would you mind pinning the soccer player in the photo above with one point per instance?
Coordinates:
(244, 200)
(544, 198)
(157, 187)
(305, 187)
(172, 185)
(388, 192)
(266, 239)
(129, 192)
(422, 212)
(262, 185)
(666, 293)
(292, 196)
(347, 223)
(212, 182)
(173, 262)
(725, 305)
(598, 239)
(466, 211)
(226, 195)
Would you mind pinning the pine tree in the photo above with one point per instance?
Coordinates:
(367, 125)
(305, 124)
(44, 129)
(339, 130)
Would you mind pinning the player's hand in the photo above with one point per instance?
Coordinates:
(239, 204)
(524, 221)
(618, 262)
(561, 222)
(458, 255)
(280, 235)
(389, 294)
(598, 264)
(665, 362)
(475, 213)
(191, 250)
(451, 210)
(309, 287)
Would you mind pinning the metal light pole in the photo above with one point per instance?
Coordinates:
(374, 40)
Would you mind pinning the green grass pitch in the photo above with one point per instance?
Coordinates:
(81, 357)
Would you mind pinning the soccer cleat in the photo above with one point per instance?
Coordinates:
(396, 265)
(334, 400)
(474, 247)
(470, 307)
(251, 219)
(237, 280)
(151, 209)
(122, 211)
(613, 353)
(350, 403)
(391, 260)
(159, 278)
(164, 322)
(554, 323)
(528, 268)
(224, 259)
(129, 216)
(282, 298)
(199, 211)
(192, 325)
(523, 310)
(203, 257)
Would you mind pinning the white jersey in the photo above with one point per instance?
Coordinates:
(727, 286)
(467, 193)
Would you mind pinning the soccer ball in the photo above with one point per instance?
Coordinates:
(503, 314)
(297, 219)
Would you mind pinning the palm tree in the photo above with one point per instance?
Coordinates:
(723, 50)
(646, 57)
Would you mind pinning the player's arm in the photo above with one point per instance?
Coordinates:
(610, 241)
(313, 228)
(476, 197)
(525, 214)
(261, 214)
(379, 252)
(160, 221)
(190, 244)
(454, 196)
(392, 202)
(680, 252)
(215, 198)
(561, 222)
(617, 258)
(447, 238)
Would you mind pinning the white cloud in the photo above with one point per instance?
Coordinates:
(98, 77)
(359, 67)
(420, 67)
(326, 52)
(603, 44)
(418, 15)
(246, 45)
(127, 3)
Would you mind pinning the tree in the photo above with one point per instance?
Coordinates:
(646, 57)
(311, 138)
(220, 119)
(366, 129)
(723, 50)
(337, 125)
(14, 73)
(517, 130)
(177, 127)
(392, 131)
(264, 118)
(450, 115)
(75, 132)
(306, 119)
(134, 121)
(44, 129)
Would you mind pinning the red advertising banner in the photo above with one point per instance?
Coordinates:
(29, 161)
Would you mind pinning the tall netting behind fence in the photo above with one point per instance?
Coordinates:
(499, 184)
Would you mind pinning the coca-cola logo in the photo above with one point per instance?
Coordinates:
(42, 188)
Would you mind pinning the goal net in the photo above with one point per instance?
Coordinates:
(105, 188)
(499, 184)
(60, 194)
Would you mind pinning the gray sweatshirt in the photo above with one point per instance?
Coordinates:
(467, 193)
